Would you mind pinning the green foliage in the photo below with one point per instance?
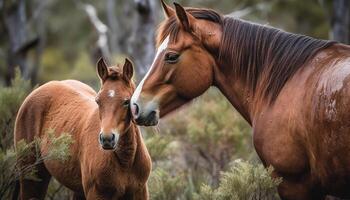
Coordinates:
(59, 146)
(195, 145)
(213, 124)
(163, 186)
(56, 67)
(11, 169)
(56, 191)
(10, 101)
(158, 147)
(206, 136)
(243, 181)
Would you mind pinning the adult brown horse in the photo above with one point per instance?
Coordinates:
(294, 91)
(121, 170)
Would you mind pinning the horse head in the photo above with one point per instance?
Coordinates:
(113, 101)
(183, 67)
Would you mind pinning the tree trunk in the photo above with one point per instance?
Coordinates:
(131, 26)
(341, 21)
(21, 39)
(142, 41)
(15, 22)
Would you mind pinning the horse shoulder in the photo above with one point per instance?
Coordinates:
(278, 143)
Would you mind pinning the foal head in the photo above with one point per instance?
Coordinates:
(183, 66)
(113, 101)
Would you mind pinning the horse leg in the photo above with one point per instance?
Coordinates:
(141, 194)
(35, 189)
(93, 193)
(291, 190)
(77, 196)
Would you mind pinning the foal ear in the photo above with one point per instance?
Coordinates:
(168, 11)
(184, 18)
(102, 69)
(128, 69)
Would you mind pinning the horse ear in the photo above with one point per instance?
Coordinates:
(128, 69)
(184, 18)
(102, 69)
(168, 11)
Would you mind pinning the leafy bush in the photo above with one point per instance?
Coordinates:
(10, 170)
(210, 135)
(243, 181)
(163, 186)
(196, 145)
(10, 101)
(57, 191)
(158, 147)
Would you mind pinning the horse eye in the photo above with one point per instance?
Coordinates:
(126, 103)
(171, 57)
(97, 100)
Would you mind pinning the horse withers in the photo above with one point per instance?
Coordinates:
(108, 158)
(294, 90)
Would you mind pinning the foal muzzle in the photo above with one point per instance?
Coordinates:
(108, 141)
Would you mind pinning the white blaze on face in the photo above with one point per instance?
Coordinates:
(138, 90)
(111, 93)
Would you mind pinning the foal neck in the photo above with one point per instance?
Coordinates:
(127, 146)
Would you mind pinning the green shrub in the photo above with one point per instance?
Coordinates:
(244, 181)
(163, 186)
(196, 145)
(10, 171)
(158, 146)
(56, 191)
(10, 101)
(209, 134)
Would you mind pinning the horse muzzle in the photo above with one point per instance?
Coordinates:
(145, 115)
(108, 141)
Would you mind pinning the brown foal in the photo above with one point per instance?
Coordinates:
(108, 159)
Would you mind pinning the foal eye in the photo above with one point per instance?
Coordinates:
(126, 103)
(97, 100)
(171, 57)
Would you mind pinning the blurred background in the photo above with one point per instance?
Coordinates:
(43, 40)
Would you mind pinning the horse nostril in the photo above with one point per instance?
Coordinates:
(136, 109)
(101, 138)
(113, 136)
(152, 113)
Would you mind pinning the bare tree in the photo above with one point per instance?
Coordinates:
(102, 44)
(142, 42)
(131, 26)
(23, 35)
(340, 21)
(15, 19)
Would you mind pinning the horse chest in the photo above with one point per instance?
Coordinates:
(281, 149)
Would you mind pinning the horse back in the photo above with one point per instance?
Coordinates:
(49, 104)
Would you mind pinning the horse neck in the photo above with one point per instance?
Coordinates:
(233, 87)
(234, 90)
(127, 147)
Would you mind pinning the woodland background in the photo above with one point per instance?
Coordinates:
(202, 152)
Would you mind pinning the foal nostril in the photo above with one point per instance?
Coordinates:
(113, 136)
(101, 138)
